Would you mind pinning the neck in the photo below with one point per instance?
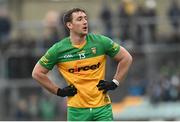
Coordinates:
(77, 39)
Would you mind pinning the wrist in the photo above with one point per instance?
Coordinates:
(116, 82)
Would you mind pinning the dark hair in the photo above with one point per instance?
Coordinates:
(68, 15)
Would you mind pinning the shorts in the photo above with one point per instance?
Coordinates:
(103, 113)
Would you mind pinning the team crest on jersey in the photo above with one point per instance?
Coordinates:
(93, 49)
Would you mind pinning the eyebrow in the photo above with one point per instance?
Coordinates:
(82, 17)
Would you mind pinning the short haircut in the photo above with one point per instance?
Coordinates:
(68, 15)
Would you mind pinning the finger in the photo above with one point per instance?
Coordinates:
(100, 88)
(75, 91)
(105, 91)
(101, 85)
(72, 90)
(73, 87)
(100, 82)
(72, 93)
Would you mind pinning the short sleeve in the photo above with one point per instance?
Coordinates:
(50, 58)
(111, 47)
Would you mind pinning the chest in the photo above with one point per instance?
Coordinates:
(72, 54)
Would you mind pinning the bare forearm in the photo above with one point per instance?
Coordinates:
(46, 82)
(123, 68)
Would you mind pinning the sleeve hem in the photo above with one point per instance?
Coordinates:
(44, 65)
(115, 52)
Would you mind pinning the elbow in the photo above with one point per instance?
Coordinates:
(35, 74)
(39, 72)
(129, 59)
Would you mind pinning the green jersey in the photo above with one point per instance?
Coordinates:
(83, 66)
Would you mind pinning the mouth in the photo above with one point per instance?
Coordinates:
(85, 28)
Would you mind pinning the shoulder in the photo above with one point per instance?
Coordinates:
(60, 44)
(97, 37)
(93, 35)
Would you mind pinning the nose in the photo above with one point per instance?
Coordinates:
(84, 21)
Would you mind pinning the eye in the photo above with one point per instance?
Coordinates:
(85, 18)
(79, 18)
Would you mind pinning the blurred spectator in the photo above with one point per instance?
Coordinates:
(33, 107)
(165, 85)
(126, 13)
(22, 111)
(62, 109)
(146, 22)
(5, 26)
(63, 30)
(137, 86)
(155, 91)
(47, 108)
(174, 14)
(175, 84)
(51, 28)
(160, 89)
(150, 14)
(106, 17)
(174, 17)
(168, 69)
(139, 25)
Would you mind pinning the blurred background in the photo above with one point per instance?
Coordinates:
(148, 29)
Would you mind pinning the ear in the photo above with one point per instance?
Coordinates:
(69, 25)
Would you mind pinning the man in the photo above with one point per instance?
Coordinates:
(81, 59)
